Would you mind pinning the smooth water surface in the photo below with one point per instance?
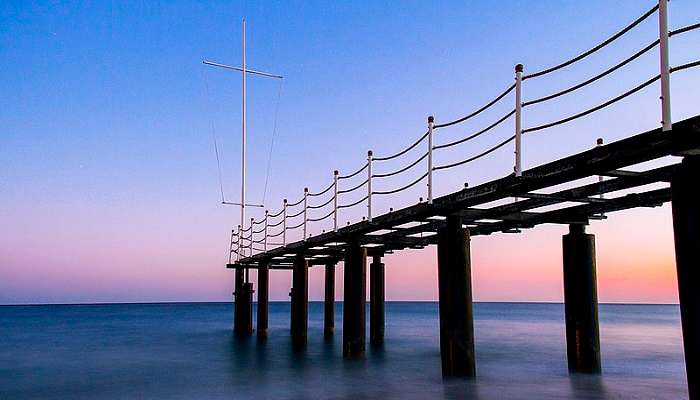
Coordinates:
(187, 351)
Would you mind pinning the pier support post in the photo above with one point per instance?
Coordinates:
(300, 302)
(243, 306)
(329, 301)
(455, 296)
(263, 297)
(581, 301)
(376, 301)
(686, 230)
(355, 281)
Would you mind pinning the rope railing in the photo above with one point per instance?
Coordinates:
(595, 78)
(479, 111)
(329, 201)
(420, 178)
(594, 109)
(321, 218)
(404, 151)
(323, 191)
(477, 134)
(363, 183)
(404, 169)
(353, 204)
(596, 48)
(242, 241)
(476, 157)
(353, 174)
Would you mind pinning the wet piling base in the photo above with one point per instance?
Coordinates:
(355, 281)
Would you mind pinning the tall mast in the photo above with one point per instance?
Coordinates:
(243, 134)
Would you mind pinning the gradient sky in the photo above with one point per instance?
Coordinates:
(109, 188)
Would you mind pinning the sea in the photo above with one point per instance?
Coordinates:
(188, 351)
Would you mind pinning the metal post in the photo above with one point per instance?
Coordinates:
(230, 249)
(665, 71)
(251, 236)
(284, 222)
(244, 133)
(240, 244)
(265, 240)
(335, 200)
(306, 195)
(518, 119)
(369, 185)
(431, 121)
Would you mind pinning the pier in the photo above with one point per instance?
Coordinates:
(449, 221)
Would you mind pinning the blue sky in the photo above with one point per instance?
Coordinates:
(107, 116)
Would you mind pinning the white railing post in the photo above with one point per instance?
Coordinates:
(265, 240)
(666, 122)
(518, 119)
(284, 222)
(335, 200)
(431, 122)
(306, 195)
(230, 249)
(240, 243)
(251, 237)
(369, 185)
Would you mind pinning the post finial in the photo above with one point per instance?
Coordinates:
(599, 141)
(519, 68)
(306, 190)
(335, 172)
(369, 153)
(284, 201)
(431, 119)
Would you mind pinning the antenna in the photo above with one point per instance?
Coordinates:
(244, 71)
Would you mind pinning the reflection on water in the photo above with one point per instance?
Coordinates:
(187, 351)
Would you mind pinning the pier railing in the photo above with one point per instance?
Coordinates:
(315, 207)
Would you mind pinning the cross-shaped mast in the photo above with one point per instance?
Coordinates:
(244, 71)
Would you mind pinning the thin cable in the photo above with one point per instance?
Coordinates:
(276, 215)
(476, 157)
(488, 128)
(355, 203)
(295, 204)
(420, 178)
(596, 48)
(323, 191)
(404, 169)
(477, 112)
(595, 78)
(354, 188)
(404, 151)
(354, 173)
(272, 141)
(685, 66)
(289, 228)
(684, 29)
(596, 108)
(295, 215)
(322, 205)
(207, 94)
(276, 224)
(322, 218)
(276, 234)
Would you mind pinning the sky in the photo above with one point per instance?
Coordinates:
(109, 190)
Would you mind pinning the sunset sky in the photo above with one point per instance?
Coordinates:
(109, 189)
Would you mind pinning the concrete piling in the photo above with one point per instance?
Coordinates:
(376, 301)
(581, 301)
(355, 281)
(455, 300)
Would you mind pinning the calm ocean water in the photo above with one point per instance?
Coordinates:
(187, 351)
